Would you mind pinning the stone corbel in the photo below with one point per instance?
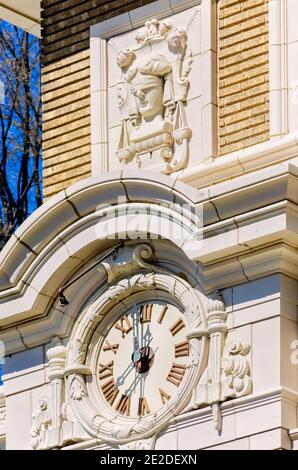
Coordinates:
(228, 370)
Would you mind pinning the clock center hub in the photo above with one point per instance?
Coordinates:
(145, 360)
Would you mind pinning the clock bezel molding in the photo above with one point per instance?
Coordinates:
(81, 372)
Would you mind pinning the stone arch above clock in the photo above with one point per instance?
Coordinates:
(70, 230)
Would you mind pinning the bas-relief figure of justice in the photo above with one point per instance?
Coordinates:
(152, 97)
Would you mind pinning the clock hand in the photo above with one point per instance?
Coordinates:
(120, 380)
(135, 332)
(147, 336)
(149, 342)
(133, 385)
(140, 377)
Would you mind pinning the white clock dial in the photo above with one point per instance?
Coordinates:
(143, 359)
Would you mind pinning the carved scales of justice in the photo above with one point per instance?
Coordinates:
(152, 97)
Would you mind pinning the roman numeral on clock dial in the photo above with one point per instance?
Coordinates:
(110, 391)
(123, 407)
(176, 374)
(106, 370)
(178, 325)
(146, 313)
(110, 347)
(182, 349)
(164, 396)
(162, 314)
(143, 407)
(124, 325)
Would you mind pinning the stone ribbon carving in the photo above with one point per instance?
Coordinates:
(152, 95)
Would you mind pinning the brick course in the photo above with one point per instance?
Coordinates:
(66, 122)
(243, 74)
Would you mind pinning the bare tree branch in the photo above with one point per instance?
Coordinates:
(20, 128)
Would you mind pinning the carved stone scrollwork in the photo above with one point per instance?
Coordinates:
(235, 370)
(42, 420)
(151, 97)
(128, 260)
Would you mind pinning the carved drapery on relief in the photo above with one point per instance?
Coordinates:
(218, 367)
(152, 95)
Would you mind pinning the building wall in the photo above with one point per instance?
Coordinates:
(260, 313)
(66, 23)
(249, 244)
(243, 73)
(66, 86)
(243, 81)
(66, 122)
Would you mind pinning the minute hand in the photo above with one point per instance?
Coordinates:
(136, 346)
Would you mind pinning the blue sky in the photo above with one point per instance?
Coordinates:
(15, 137)
(15, 133)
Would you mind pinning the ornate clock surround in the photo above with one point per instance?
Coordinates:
(134, 279)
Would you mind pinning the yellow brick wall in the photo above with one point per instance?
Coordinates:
(243, 73)
(243, 95)
(66, 122)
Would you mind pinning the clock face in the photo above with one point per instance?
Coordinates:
(143, 359)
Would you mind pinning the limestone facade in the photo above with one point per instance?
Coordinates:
(204, 229)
